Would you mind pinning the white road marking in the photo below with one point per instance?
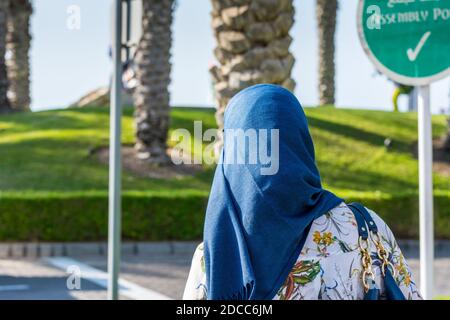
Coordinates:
(14, 287)
(412, 54)
(99, 277)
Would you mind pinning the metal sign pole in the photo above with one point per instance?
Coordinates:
(115, 166)
(425, 192)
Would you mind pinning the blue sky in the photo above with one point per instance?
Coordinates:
(68, 63)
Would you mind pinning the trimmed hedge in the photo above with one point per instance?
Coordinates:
(84, 217)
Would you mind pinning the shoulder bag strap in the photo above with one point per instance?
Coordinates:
(367, 276)
(393, 292)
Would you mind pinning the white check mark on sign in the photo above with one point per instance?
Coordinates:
(412, 54)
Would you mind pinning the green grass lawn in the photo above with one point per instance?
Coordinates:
(52, 189)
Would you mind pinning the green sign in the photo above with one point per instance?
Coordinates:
(408, 40)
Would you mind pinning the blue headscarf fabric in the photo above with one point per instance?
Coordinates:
(255, 223)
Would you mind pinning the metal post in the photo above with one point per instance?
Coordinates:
(426, 193)
(115, 165)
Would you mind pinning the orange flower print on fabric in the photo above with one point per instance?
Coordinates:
(323, 241)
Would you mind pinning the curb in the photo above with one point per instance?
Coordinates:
(52, 249)
(38, 250)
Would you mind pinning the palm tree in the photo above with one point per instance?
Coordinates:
(252, 46)
(151, 97)
(4, 103)
(18, 45)
(326, 11)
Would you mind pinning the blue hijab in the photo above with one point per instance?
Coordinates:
(256, 223)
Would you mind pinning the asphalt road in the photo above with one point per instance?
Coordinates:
(34, 280)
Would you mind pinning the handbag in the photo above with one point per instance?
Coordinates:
(368, 232)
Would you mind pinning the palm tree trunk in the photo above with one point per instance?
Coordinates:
(4, 103)
(446, 144)
(326, 11)
(18, 45)
(252, 46)
(151, 97)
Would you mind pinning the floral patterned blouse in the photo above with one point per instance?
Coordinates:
(329, 266)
